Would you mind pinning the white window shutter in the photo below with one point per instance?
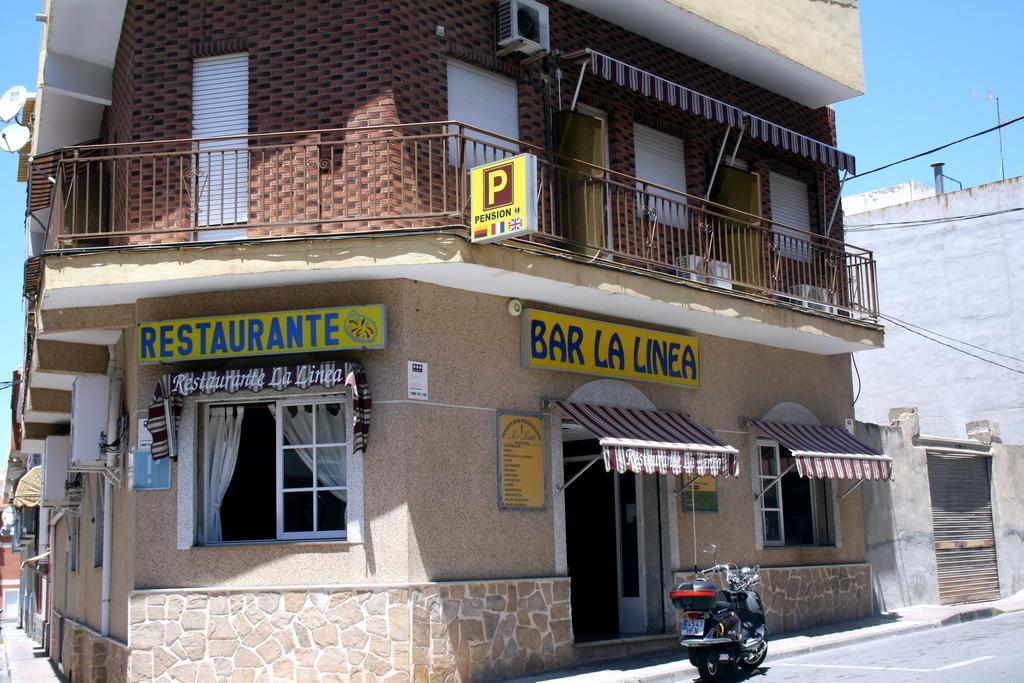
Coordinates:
(220, 107)
(790, 208)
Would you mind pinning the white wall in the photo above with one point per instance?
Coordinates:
(961, 279)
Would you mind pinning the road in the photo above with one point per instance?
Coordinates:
(986, 650)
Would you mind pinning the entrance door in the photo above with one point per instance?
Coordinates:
(604, 532)
(629, 545)
(965, 541)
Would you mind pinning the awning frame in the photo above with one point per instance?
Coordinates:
(652, 85)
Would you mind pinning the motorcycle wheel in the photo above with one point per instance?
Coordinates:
(752, 661)
(711, 669)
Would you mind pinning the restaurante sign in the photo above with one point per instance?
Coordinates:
(263, 334)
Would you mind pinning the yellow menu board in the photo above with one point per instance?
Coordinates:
(522, 476)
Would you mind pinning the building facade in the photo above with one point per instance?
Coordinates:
(311, 426)
(968, 277)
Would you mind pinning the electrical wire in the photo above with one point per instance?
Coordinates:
(950, 346)
(953, 339)
(853, 357)
(871, 227)
(938, 149)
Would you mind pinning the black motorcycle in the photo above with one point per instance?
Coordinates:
(723, 630)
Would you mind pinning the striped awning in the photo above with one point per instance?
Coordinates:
(688, 100)
(30, 488)
(823, 452)
(653, 442)
(165, 409)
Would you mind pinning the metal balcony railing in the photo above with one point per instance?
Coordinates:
(396, 177)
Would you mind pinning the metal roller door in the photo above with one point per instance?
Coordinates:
(965, 542)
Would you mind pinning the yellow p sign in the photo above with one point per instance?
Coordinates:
(500, 191)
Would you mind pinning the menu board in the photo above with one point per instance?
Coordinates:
(703, 491)
(522, 480)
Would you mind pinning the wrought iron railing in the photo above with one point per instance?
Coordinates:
(396, 177)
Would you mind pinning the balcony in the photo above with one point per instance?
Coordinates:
(393, 179)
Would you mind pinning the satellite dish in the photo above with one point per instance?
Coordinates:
(12, 102)
(14, 136)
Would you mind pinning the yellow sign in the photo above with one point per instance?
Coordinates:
(565, 342)
(263, 334)
(703, 490)
(522, 483)
(503, 199)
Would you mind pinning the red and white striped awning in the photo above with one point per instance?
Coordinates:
(823, 452)
(653, 442)
(650, 85)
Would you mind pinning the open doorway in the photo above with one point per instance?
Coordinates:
(604, 524)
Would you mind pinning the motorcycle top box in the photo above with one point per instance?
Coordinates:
(694, 596)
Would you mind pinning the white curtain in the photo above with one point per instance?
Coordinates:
(223, 435)
(297, 426)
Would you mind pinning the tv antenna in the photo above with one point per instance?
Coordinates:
(992, 97)
(14, 135)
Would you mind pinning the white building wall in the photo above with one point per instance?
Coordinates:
(958, 278)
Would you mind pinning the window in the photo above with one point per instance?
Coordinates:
(794, 510)
(660, 160)
(485, 100)
(791, 209)
(220, 108)
(276, 471)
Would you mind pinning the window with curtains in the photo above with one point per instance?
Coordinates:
(794, 510)
(275, 470)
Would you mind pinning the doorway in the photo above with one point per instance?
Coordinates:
(604, 526)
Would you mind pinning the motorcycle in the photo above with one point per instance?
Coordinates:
(722, 629)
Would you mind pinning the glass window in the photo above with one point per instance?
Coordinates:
(275, 471)
(794, 510)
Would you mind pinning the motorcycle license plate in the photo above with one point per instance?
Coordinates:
(693, 627)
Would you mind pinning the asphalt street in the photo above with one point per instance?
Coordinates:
(985, 650)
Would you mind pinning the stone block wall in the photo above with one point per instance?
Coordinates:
(445, 632)
(797, 598)
(88, 656)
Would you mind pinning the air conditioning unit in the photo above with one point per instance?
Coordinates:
(716, 274)
(56, 456)
(522, 27)
(89, 403)
(818, 298)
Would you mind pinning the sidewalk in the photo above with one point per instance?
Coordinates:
(674, 666)
(23, 661)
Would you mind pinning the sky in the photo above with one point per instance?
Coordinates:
(922, 61)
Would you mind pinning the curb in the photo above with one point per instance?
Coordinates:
(684, 667)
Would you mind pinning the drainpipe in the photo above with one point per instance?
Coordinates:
(113, 419)
(937, 167)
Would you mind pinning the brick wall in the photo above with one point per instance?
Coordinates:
(327, 64)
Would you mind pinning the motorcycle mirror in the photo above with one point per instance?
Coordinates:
(711, 548)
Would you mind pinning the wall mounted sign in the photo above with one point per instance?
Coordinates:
(503, 199)
(564, 342)
(704, 492)
(263, 334)
(522, 475)
(417, 380)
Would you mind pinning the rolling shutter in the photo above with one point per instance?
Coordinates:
(791, 208)
(965, 548)
(485, 100)
(660, 160)
(220, 107)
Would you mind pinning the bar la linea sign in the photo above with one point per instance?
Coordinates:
(263, 334)
(563, 342)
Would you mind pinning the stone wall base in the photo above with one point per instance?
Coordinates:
(797, 598)
(431, 632)
(88, 657)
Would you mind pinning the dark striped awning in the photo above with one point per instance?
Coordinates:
(688, 100)
(653, 442)
(823, 452)
(165, 409)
